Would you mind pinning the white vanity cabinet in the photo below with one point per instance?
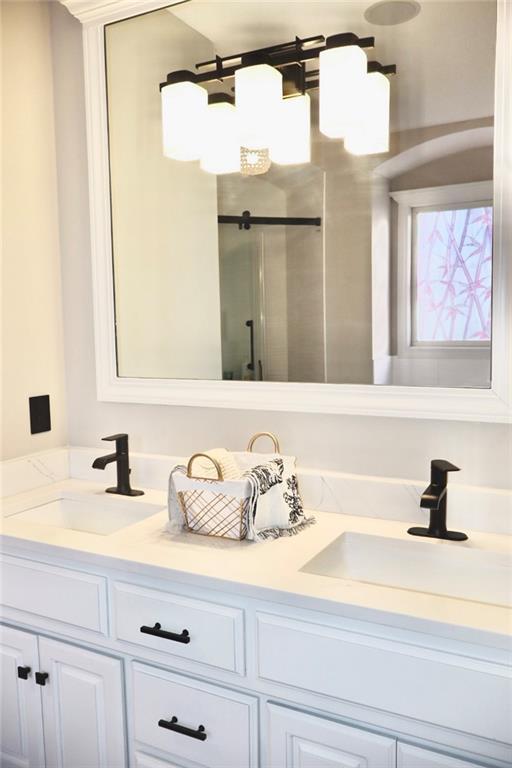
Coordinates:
(228, 681)
(409, 756)
(83, 707)
(155, 620)
(21, 717)
(142, 760)
(73, 717)
(299, 740)
(194, 721)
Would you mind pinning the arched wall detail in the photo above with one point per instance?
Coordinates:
(405, 161)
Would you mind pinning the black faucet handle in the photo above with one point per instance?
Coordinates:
(439, 469)
(121, 440)
(434, 498)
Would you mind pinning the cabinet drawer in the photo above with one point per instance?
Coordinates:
(229, 739)
(299, 740)
(46, 592)
(215, 632)
(416, 757)
(399, 677)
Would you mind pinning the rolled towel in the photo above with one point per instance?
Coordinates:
(225, 460)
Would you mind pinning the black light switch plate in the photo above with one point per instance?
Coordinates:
(39, 414)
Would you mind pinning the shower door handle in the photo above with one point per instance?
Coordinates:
(250, 326)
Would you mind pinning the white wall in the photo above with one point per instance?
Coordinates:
(379, 446)
(166, 261)
(32, 340)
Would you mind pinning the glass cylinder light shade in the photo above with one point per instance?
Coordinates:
(291, 142)
(221, 147)
(342, 71)
(183, 115)
(370, 134)
(258, 93)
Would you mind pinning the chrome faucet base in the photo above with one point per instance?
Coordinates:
(122, 492)
(449, 535)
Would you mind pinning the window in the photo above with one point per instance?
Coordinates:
(444, 269)
(451, 274)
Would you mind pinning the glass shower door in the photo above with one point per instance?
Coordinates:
(241, 303)
(272, 302)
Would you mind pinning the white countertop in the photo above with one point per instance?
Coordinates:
(268, 570)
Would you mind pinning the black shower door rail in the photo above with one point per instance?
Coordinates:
(245, 221)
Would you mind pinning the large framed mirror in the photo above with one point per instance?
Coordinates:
(351, 281)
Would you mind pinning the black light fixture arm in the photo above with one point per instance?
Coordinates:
(295, 51)
(299, 44)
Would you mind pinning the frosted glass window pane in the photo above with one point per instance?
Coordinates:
(453, 274)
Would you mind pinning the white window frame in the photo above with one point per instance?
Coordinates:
(409, 201)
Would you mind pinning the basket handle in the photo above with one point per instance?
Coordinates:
(264, 434)
(210, 458)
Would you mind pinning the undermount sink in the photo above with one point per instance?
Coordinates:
(435, 567)
(89, 514)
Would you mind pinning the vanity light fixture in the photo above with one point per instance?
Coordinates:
(221, 152)
(369, 133)
(184, 105)
(270, 121)
(258, 94)
(343, 66)
(291, 142)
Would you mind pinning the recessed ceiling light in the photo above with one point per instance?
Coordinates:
(389, 12)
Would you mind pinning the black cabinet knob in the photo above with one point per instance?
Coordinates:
(42, 677)
(24, 672)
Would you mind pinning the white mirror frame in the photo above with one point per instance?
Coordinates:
(493, 405)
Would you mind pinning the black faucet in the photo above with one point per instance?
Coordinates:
(435, 498)
(122, 460)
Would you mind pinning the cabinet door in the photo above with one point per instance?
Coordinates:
(82, 707)
(298, 740)
(21, 719)
(416, 757)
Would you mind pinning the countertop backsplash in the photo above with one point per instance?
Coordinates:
(476, 508)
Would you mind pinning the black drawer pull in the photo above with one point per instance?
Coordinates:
(173, 725)
(24, 672)
(42, 677)
(157, 631)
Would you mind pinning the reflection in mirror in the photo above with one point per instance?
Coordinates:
(349, 268)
